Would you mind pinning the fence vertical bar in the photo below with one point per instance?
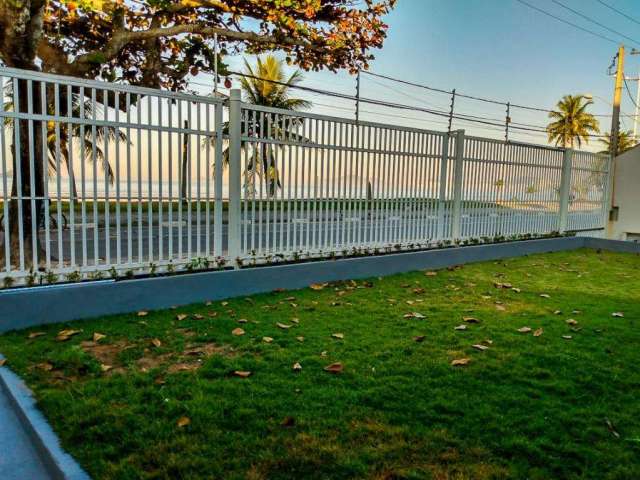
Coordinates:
(217, 188)
(565, 187)
(458, 169)
(442, 197)
(235, 139)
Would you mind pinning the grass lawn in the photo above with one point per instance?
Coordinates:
(157, 397)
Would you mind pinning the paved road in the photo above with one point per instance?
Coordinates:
(300, 235)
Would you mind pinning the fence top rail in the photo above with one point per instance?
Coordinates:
(101, 85)
(514, 144)
(330, 118)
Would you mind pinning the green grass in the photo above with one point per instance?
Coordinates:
(528, 407)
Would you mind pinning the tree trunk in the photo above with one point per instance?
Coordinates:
(20, 33)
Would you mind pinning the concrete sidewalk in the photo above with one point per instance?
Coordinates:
(19, 458)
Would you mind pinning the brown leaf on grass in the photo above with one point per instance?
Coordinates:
(501, 308)
(460, 327)
(156, 342)
(290, 299)
(297, 367)
(283, 326)
(241, 373)
(105, 368)
(567, 337)
(339, 336)
(318, 286)
(414, 315)
(334, 368)
(571, 321)
(198, 316)
(617, 314)
(418, 291)
(208, 303)
(98, 336)
(294, 305)
(430, 274)
(143, 313)
(35, 335)
(213, 314)
(288, 422)
(538, 332)
(183, 422)
(267, 339)
(480, 347)
(237, 332)
(224, 304)
(323, 353)
(545, 295)
(524, 329)
(181, 316)
(242, 320)
(3, 361)
(295, 320)
(64, 335)
(470, 319)
(46, 366)
(419, 338)
(460, 362)
(557, 312)
(300, 339)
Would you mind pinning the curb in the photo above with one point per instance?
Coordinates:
(59, 464)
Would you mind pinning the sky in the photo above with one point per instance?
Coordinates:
(498, 49)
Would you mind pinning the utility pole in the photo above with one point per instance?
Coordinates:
(617, 97)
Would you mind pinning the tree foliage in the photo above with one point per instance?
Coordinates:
(572, 124)
(158, 43)
(626, 141)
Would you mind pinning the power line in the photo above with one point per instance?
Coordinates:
(591, 32)
(628, 17)
(626, 86)
(595, 22)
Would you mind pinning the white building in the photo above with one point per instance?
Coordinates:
(627, 197)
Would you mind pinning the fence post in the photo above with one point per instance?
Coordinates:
(235, 139)
(442, 195)
(565, 190)
(458, 168)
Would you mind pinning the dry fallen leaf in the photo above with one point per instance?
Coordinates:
(611, 428)
(617, 314)
(242, 320)
(105, 368)
(470, 320)
(237, 332)
(516, 290)
(567, 337)
(224, 304)
(538, 332)
(414, 315)
(283, 325)
(524, 329)
(241, 373)
(3, 361)
(181, 316)
(430, 274)
(339, 336)
(545, 295)
(557, 312)
(64, 335)
(267, 339)
(295, 320)
(480, 347)
(334, 368)
(460, 362)
(36, 334)
(501, 308)
(198, 316)
(571, 321)
(460, 327)
(297, 367)
(143, 313)
(318, 286)
(156, 342)
(98, 336)
(183, 422)
(46, 366)
(419, 338)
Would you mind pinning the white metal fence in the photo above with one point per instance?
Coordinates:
(99, 179)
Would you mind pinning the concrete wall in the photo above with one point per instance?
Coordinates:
(627, 197)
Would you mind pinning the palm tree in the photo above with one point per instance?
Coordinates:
(572, 124)
(268, 85)
(90, 145)
(626, 141)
